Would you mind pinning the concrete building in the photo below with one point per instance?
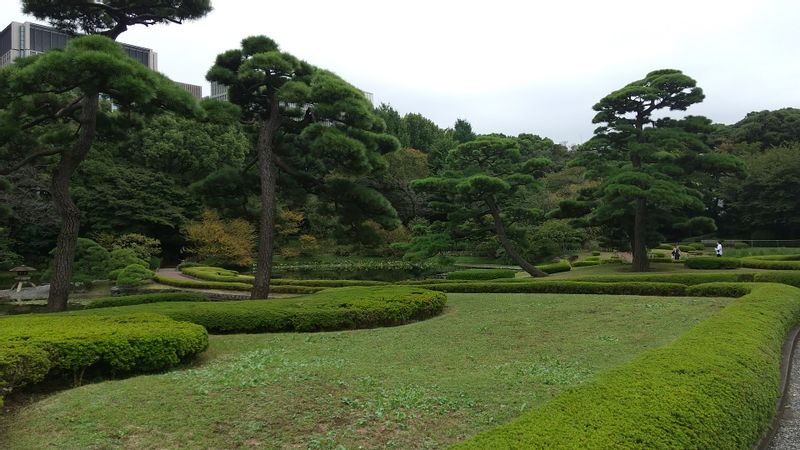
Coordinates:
(25, 39)
(195, 90)
(218, 92)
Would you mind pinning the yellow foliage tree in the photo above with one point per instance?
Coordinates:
(222, 243)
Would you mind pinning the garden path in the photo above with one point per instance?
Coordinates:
(788, 435)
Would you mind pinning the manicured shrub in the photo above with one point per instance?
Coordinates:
(224, 275)
(772, 262)
(714, 387)
(481, 274)
(192, 284)
(585, 263)
(326, 283)
(664, 246)
(712, 262)
(124, 300)
(122, 258)
(32, 346)
(682, 278)
(592, 258)
(595, 253)
(718, 290)
(685, 248)
(134, 275)
(563, 287)
(785, 277)
(561, 266)
(332, 309)
(697, 246)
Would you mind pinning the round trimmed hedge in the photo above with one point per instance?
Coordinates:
(33, 346)
(328, 310)
(713, 262)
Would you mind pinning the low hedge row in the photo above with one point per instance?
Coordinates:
(193, 284)
(586, 263)
(682, 278)
(713, 262)
(138, 299)
(561, 266)
(332, 309)
(481, 274)
(217, 274)
(581, 287)
(714, 387)
(782, 276)
(772, 262)
(33, 346)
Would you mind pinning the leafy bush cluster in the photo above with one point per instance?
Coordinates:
(383, 269)
(332, 309)
(713, 262)
(714, 387)
(586, 263)
(773, 262)
(33, 346)
(481, 274)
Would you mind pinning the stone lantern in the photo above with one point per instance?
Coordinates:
(23, 277)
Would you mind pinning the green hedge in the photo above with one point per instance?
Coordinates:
(714, 387)
(785, 277)
(193, 284)
(481, 274)
(32, 346)
(719, 289)
(713, 262)
(682, 278)
(217, 274)
(586, 263)
(332, 309)
(563, 287)
(125, 300)
(561, 266)
(773, 262)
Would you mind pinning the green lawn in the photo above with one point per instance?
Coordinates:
(424, 385)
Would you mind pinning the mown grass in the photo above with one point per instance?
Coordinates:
(430, 384)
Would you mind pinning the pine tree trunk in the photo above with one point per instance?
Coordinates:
(500, 230)
(640, 261)
(65, 207)
(266, 229)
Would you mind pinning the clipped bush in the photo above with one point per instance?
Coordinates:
(481, 274)
(685, 248)
(772, 262)
(713, 387)
(332, 309)
(682, 278)
(122, 258)
(124, 300)
(134, 275)
(719, 289)
(562, 287)
(784, 277)
(697, 246)
(561, 266)
(224, 275)
(32, 346)
(592, 258)
(664, 246)
(192, 284)
(585, 263)
(596, 253)
(713, 262)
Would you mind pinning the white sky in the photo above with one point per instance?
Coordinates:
(507, 66)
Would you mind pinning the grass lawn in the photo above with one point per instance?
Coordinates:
(424, 385)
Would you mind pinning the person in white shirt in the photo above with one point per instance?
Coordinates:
(718, 249)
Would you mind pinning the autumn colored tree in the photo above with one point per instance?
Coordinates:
(225, 243)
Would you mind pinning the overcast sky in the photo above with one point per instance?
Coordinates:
(507, 66)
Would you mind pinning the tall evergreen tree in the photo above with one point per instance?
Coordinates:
(314, 129)
(647, 165)
(49, 106)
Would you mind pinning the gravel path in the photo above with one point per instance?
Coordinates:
(788, 435)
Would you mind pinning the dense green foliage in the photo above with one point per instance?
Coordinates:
(561, 266)
(31, 346)
(712, 262)
(229, 286)
(773, 262)
(126, 300)
(714, 387)
(481, 274)
(134, 275)
(567, 287)
(332, 309)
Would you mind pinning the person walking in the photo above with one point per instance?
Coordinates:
(718, 249)
(676, 253)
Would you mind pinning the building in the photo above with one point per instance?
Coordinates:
(195, 90)
(218, 92)
(25, 39)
